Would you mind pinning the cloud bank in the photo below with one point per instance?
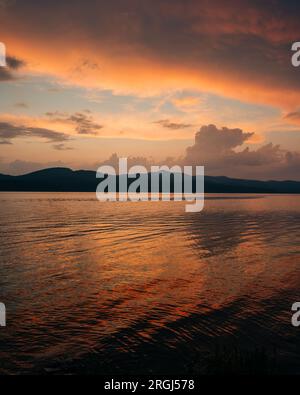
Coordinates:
(147, 46)
(219, 151)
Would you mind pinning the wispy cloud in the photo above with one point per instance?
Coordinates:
(62, 147)
(9, 132)
(82, 122)
(293, 116)
(166, 123)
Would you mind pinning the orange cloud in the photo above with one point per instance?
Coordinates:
(149, 47)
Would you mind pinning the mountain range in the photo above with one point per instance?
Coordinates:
(67, 180)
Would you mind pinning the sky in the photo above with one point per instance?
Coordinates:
(202, 82)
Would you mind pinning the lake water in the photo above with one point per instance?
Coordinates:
(146, 287)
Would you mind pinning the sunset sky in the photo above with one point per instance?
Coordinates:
(143, 78)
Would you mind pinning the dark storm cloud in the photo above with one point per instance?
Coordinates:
(9, 132)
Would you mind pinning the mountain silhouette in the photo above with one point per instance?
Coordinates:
(67, 180)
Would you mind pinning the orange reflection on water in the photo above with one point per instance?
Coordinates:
(82, 275)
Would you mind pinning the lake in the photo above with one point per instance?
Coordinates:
(146, 287)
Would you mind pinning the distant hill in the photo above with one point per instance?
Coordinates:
(67, 180)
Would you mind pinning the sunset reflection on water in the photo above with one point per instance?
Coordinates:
(144, 286)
